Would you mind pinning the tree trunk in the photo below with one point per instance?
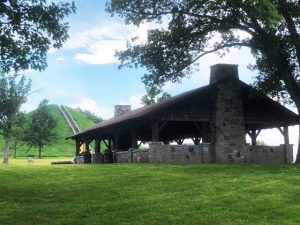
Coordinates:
(40, 151)
(298, 150)
(6, 150)
(15, 150)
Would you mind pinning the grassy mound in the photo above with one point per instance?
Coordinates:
(60, 147)
(149, 194)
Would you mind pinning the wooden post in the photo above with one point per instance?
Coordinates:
(133, 133)
(196, 140)
(97, 145)
(78, 144)
(87, 145)
(253, 135)
(285, 133)
(109, 144)
(116, 141)
(155, 131)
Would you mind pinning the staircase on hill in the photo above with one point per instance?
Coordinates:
(69, 119)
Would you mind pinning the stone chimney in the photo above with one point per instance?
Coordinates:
(121, 109)
(227, 125)
(221, 71)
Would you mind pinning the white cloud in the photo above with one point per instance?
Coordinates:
(98, 45)
(134, 101)
(60, 59)
(91, 105)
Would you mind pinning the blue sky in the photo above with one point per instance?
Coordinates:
(84, 73)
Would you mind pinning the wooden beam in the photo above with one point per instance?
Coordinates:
(106, 144)
(253, 135)
(179, 141)
(162, 126)
(196, 140)
(198, 127)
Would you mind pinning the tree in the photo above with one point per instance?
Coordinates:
(18, 131)
(13, 93)
(152, 96)
(40, 130)
(28, 28)
(270, 28)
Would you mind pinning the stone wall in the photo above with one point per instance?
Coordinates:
(160, 153)
(271, 154)
(179, 153)
(133, 155)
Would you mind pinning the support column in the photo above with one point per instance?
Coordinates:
(97, 157)
(133, 133)
(285, 132)
(155, 131)
(97, 145)
(253, 135)
(116, 141)
(78, 144)
(196, 140)
(156, 128)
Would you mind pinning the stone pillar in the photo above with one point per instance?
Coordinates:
(228, 127)
(154, 150)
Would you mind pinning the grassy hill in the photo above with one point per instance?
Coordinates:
(60, 147)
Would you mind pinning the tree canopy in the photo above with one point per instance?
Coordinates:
(13, 93)
(40, 130)
(28, 29)
(154, 95)
(270, 28)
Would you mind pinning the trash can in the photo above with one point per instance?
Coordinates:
(87, 156)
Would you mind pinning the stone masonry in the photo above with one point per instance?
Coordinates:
(228, 129)
(121, 109)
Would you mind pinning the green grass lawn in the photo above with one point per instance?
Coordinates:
(39, 193)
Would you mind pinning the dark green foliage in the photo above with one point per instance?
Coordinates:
(154, 95)
(29, 28)
(13, 93)
(40, 130)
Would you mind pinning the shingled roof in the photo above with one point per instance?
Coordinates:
(259, 111)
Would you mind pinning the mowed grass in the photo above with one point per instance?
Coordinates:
(41, 193)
